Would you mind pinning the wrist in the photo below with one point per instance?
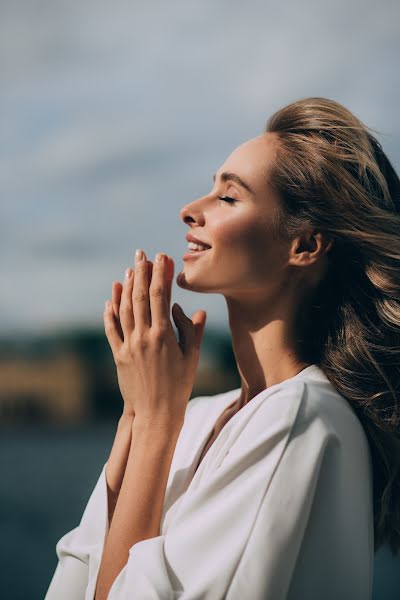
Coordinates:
(157, 425)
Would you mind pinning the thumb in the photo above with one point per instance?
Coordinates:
(199, 322)
(190, 330)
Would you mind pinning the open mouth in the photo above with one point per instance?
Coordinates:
(193, 253)
(199, 249)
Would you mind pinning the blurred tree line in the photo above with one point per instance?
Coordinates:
(70, 375)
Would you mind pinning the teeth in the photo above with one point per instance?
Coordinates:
(194, 246)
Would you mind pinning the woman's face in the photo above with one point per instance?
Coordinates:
(244, 259)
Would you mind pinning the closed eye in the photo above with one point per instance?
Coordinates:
(227, 199)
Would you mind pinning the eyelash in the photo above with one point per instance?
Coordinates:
(227, 199)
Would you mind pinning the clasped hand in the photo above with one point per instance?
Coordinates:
(155, 371)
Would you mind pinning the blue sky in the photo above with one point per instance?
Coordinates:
(114, 115)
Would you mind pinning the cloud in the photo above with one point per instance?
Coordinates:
(113, 116)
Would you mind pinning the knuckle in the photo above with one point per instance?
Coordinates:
(120, 358)
(132, 347)
(139, 342)
(156, 291)
(139, 296)
(159, 332)
(141, 267)
(124, 310)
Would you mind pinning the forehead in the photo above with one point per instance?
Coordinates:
(250, 159)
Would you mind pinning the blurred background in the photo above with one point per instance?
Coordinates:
(113, 116)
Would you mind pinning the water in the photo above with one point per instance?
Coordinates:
(48, 474)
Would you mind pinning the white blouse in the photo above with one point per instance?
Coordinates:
(279, 508)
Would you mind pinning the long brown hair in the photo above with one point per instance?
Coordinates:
(331, 174)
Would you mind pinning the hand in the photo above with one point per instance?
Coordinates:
(117, 288)
(155, 371)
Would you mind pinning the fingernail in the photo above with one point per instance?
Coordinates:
(159, 257)
(139, 255)
(128, 273)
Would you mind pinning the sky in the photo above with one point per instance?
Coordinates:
(114, 115)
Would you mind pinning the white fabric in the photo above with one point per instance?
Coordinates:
(279, 508)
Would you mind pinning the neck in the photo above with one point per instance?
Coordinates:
(263, 344)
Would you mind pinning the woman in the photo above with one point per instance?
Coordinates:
(284, 487)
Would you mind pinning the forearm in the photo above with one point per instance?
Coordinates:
(138, 510)
(116, 464)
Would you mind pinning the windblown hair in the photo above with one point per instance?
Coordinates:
(331, 174)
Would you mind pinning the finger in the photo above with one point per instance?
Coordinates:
(191, 330)
(117, 288)
(150, 270)
(158, 291)
(170, 276)
(126, 316)
(185, 329)
(140, 293)
(110, 328)
(150, 277)
(199, 323)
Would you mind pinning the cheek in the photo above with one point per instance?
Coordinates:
(239, 234)
(233, 232)
(250, 245)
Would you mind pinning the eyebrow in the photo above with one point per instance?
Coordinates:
(225, 176)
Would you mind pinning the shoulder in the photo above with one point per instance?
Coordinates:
(325, 425)
(307, 400)
(323, 402)
(327, 411)
(300, 408)
(297, 407)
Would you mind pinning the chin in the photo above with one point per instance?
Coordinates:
(193, 286)
(181, 281)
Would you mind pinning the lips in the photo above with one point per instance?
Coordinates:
(191, 238)
(194, 254)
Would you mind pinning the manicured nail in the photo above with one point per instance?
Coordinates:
(139, 255)
(159, 257)
(128, 273)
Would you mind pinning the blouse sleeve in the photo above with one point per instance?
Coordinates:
(79, 551)
(238, 530)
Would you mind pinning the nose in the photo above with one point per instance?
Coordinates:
(192, 213)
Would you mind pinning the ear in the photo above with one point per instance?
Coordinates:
(309, 247)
